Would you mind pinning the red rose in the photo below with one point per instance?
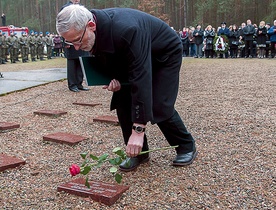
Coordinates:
(74, 169)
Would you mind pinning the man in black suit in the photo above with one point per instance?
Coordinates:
(74, 72)
(249, 32)
(145, 51)
(3, 17)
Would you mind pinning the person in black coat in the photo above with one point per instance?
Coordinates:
(234, 41)
(143, 50)
(3, 17)
(209, 35)
(74, 71)
(249, 32)
(199, 35)
(261, 39)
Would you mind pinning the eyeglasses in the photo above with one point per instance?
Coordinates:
(78, 43)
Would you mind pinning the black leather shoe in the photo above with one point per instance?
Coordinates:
(132, 163)
(74, 89)
(83, 88)
(185, 159)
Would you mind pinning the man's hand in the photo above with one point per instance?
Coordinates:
(135, 144)
(113, 86)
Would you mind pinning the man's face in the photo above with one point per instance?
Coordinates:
(87, 41)
(248, 22)
(275, 23)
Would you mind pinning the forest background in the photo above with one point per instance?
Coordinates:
(39, 15)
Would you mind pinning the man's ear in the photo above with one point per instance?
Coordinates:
(92, 25)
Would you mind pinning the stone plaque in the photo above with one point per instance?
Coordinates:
(53, 113)
(99, 191)
(107, 119)
(86, 104)
(7, 162)
(65, 138)
(4, 126)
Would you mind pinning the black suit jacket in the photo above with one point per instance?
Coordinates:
(138, 47)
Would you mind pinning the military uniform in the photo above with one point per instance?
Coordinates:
(12, 42)
(36, 46)
(40, 46)
(32, 44)
(4, 47)
(23, 41)
(1, 47)
(49, 44)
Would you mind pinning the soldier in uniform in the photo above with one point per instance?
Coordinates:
(36, 46)
(40, 46)
(0, 47)
(23, 41)
(49, 44)
(32, 44)
(17, 47)
(4, 47)
(13, 45)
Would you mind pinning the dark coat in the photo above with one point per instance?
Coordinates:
(145, 51)
(199, 37)
(249, 32)
(261, 37)
(223, 31)
(69, 50)
(209, 35)
(233, 37)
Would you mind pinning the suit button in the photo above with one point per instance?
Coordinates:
(137, 116)
(137, 107)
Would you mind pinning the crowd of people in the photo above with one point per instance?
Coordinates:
(245, 41)
(34, 46)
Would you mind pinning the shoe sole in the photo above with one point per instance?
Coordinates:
(131, 169)
(187, 163)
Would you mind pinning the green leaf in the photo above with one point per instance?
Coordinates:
(93, 157)
(112, 161)
(87, 183)
(116, 149)
(83, 155)
(113, 170)
(118, 160)
(119, 151)
(86, 170)
(118, 178)
(103, 157)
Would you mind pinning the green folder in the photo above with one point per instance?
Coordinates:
(94, 73)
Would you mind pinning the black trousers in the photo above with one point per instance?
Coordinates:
(248, 44)
(173, 128)
(74, 73)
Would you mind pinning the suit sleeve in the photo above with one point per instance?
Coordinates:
(138, 51)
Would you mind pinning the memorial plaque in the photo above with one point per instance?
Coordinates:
(86, 104)
(105, 193)
(53, 113)
(5, 126)
(107, 119)
(7, 162)
(65, 138)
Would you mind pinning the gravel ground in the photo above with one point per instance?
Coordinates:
(228, 105)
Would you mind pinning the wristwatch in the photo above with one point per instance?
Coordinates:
(138, 129)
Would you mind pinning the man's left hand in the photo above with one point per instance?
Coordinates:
(113, 86)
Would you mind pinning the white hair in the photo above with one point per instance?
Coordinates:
(74, 16)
